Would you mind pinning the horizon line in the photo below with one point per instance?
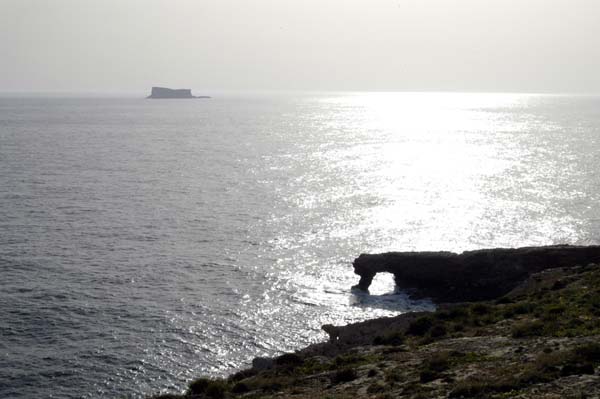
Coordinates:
(107, 93)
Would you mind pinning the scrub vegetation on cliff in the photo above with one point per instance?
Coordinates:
(542, 340)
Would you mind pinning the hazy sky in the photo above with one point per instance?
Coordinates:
(464, 45)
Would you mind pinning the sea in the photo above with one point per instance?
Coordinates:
(144, 243)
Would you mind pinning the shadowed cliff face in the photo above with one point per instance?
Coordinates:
(471, 275)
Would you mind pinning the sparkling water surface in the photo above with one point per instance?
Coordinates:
(144, 243)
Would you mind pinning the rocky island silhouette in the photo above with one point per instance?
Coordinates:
(166, 93)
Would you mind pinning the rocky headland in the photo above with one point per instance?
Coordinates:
(471, 275)
(510, 323)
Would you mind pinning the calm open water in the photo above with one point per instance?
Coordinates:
(144, 243)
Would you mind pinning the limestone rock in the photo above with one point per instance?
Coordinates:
(471, 275)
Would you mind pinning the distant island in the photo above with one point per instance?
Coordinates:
(163, 92)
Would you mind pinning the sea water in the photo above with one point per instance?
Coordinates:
(147, 242)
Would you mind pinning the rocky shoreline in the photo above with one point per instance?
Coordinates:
(510, 323)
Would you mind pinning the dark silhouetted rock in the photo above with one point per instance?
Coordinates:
(262, 363)
(472, 275)
(163, 92)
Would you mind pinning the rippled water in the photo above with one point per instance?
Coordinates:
(143, 243)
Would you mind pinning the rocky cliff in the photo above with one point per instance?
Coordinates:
(539, 341)
(531, 332)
